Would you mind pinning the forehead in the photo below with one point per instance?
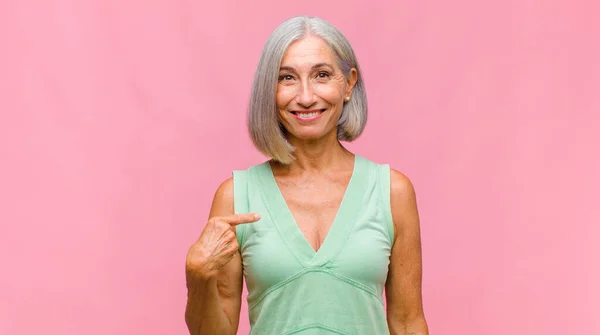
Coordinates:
(308, 51)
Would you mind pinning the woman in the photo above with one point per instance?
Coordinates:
(318, 232)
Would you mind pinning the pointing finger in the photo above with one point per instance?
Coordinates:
(238, 219)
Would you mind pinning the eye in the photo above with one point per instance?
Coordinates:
(286, 77)
(323, 74)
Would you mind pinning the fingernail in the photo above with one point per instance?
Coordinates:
(257, 216)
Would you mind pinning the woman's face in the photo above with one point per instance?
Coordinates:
(311, 89)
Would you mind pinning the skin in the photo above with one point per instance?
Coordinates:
(313, 186)
(214, 270)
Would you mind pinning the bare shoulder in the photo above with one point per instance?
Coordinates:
(402, 188)
(223, 200)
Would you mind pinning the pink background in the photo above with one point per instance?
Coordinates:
(120, 119)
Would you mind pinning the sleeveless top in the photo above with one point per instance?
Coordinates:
(337, 290)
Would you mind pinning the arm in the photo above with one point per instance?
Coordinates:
(213, 303)
(403, 286)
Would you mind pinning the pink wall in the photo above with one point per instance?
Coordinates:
(120, 118)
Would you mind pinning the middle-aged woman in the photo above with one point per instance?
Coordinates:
(317, 231)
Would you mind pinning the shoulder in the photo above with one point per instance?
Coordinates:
(400, 185)
(224, 196)
(222, 203)
(401, 188)
(225, 189)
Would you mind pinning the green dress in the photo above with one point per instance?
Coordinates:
(337, 290)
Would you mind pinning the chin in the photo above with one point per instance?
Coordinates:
(310, 135)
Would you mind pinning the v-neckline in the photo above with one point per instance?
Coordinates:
(291, 233)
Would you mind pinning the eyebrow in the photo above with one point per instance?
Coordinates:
(318, 65)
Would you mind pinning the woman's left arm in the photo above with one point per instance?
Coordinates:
(403, 286)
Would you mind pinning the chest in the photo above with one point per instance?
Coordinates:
(356, 247)
(314, 204)
(336, 225)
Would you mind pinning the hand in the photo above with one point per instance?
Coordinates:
(216, 246)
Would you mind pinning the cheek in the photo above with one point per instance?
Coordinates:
(330, 93)
(284, 95)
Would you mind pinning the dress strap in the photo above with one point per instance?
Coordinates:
(384, 185)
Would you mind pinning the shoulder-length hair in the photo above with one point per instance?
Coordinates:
(266, 131)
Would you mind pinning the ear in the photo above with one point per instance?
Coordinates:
(351, 81)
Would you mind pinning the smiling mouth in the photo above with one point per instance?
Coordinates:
(308, 115)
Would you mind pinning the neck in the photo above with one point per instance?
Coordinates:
(318, 155)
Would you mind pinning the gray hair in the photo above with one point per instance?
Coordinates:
(266, 131)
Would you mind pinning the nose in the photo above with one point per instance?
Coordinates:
(306, 95)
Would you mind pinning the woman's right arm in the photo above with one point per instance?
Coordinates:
(214, 270)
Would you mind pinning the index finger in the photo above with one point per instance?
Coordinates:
(238, 219)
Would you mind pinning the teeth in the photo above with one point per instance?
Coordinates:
(308, 115)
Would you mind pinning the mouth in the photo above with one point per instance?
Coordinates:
(308, 115)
